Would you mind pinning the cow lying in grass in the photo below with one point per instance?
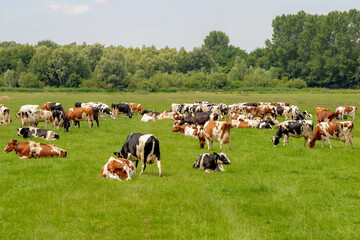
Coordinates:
(212, 162)
(118, 168)
(28, 132)
(34, 150)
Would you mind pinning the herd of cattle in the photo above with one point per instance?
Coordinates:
(204, 121)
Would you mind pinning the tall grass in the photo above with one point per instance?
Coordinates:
(266, 193)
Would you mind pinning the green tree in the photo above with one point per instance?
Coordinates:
(30, 80)
(10, 79)
(112, 70)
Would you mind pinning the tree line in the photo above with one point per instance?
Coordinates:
(305, 51)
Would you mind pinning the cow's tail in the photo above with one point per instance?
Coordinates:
(156, 147)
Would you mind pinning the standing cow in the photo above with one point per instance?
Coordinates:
(293, 128)
(141, 147)
(335, 130)
(216, 131)
(4, 114)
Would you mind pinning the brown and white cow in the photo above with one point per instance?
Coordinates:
(118, 168)
(166, 115)
(335, 130)
(320, 109)
(51, 106)
(216, 131)
(346, 110)
(136, 108)
(260, 111)
(77, 114)
(34, 149)
(244, 123)
(326, 116)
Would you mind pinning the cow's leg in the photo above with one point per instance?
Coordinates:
(221, 143)
(143, 166)
(221, 168)
(305, 140)
(284, 140)
(123, 116)
(159, 166)
(229, 145)
(328, 140)
(208, 143)
(350, 140)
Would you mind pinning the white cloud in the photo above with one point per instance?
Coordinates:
(64, 8)
(100, 2)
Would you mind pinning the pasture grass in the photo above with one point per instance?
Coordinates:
(266, 193)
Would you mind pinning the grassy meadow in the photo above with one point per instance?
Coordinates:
(266, 193)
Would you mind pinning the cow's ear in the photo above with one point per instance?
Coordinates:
(116, 154)
(217, 155)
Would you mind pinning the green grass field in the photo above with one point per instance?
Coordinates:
(266, 193)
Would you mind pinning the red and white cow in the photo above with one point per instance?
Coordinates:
(166, 115)
(320, 109)
(216, 131)
(244, 123)
(34, 149)
(335, 130)
(325, 116)
(136, 107)
(147, 118)
(346, 110)
(77, 114)
(118, 168)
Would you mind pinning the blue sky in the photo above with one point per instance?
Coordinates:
(158, 22)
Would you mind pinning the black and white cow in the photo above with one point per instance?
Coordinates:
(265, 124)
(123, 108)
(29, 132)
(141, 147)
(293, 128)
(59, 119)
(212, 162)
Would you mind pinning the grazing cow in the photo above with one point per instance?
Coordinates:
(147, 118)
(34, 149)
(136, 107)
(29, 132)
(346, 110)
(102, 108)
(4, 114)
(199, 118)
(78, 114)
(60, 119)
(216, 131)
(123, 108)
(326, 116)
(50, 106)
(27, 108)
(36, 116)
(335, 130)
(293, 128)
(259, 111)
(118, 168)
(292, 112)
(212, 162)
(141, 147)
(320, 109)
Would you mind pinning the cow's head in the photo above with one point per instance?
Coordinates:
(23, 132)
(176, 128)
(307, 115)
(311, 142)
(120, 168)
(119, 154)
(275, 140)
(201, 136)
(222, 158)
(11, 145)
